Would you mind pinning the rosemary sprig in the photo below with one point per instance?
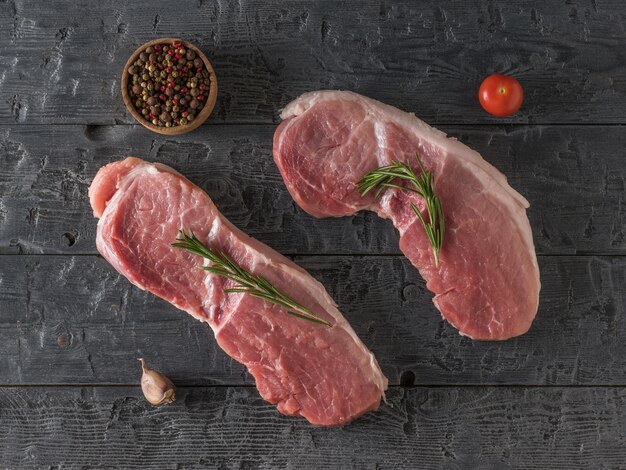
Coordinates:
(383, 177)
(257, 286)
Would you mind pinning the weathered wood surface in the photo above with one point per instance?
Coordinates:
(232, 428)
(572, 176)
(553, 398)
(62, 63)
(74, 320)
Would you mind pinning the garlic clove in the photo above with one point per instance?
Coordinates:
(158, 389)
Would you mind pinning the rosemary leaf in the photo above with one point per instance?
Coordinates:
(382, 178)
(256, 286)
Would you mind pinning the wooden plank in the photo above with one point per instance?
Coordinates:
(232, 428)
(74, 320)
(63, 64)
(573, 177)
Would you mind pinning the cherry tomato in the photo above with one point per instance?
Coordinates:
(500, 95)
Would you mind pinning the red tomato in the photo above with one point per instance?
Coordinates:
(500, 95)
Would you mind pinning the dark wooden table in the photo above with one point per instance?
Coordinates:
(71, 328)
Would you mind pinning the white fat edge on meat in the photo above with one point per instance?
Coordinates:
(313, 287)
(486, 172)
(429, 133)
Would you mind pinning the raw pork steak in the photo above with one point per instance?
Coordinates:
(488, 283)
(324, 374)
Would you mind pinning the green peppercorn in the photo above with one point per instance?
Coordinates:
(183, 121)
(155, 122)
(150, 49)
(138, 104)
(175, 108)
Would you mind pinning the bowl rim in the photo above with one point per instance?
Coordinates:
(177, 130)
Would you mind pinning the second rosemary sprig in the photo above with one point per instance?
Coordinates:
(256, 286)
(423, 185)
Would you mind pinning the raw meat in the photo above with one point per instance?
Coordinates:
(324, 374)
(488, 283)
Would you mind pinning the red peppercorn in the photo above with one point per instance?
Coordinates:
(184, 89)
(163, 96)
(200, 97)
(157, 47)
(178, 55)
(171, 84)
(175, 101)
(152, 116)
(184, 114)
(177, 44)
(199, 68)
(168, 70)
(185, 69)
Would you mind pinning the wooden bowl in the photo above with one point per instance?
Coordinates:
(174, 130)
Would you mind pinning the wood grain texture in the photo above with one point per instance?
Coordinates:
(232, 428)
(63, 64)
(74, 320)
(573, 177)
(553, 398)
